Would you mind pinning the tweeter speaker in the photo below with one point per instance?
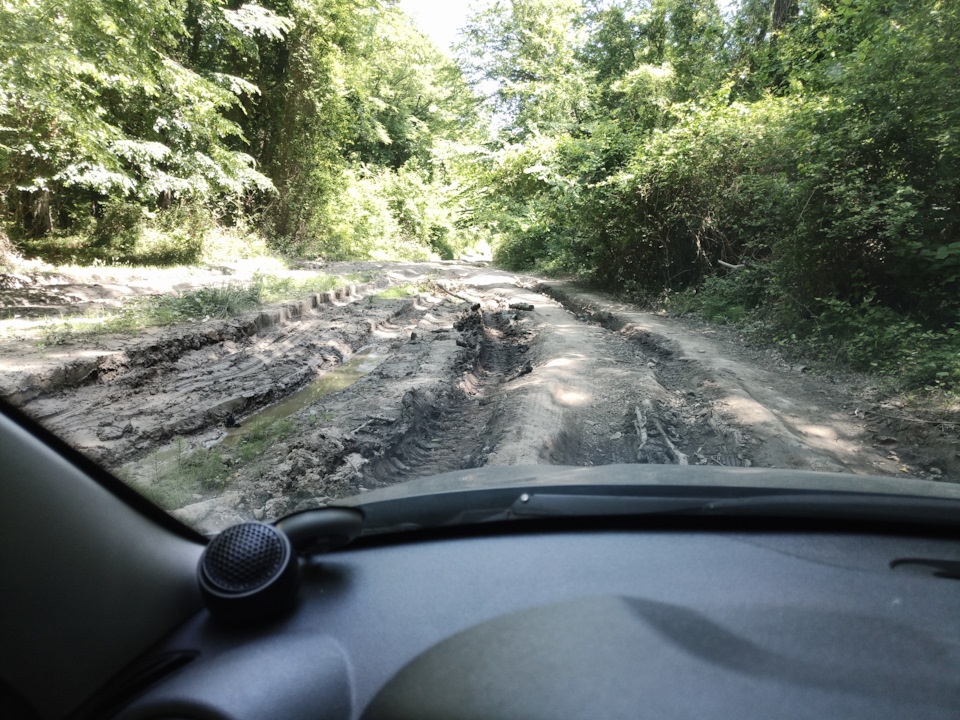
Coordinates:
(249, 572)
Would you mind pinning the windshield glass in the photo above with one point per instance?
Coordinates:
(259, 258)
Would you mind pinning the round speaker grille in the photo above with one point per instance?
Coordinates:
(244, 557)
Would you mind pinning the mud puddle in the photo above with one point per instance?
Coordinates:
(364, 361)
(177, 457)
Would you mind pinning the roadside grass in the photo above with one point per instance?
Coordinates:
(255, 443)
(173, 239)
(217, 302)
(133, 245)
(190, 477)
(396, 293)
(277, 289)
(185, 476)
(899, 352)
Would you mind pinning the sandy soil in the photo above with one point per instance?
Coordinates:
(483, 367)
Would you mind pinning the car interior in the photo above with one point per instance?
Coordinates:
(534, 592)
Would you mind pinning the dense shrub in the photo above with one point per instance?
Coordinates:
(870, 336)
(116, 231)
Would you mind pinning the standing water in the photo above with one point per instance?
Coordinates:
(344, 375)
(182, 460)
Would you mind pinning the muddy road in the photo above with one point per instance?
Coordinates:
(435, 367)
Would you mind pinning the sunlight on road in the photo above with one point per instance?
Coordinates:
(570, 396)
(748, 411)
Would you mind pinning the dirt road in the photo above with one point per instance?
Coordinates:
(480, 367)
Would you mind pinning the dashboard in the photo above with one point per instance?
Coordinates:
(593, 624)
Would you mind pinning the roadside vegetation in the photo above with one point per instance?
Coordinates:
(183, 475)
(787, 165)
(397, 292)
(790, 165)
(136, 133)
(900, 351)
(209, 303)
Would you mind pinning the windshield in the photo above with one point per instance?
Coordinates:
(265, 257)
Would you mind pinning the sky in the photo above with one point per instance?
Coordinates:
(440, 19)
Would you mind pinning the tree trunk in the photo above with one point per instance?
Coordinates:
(782, 12)
(38, 220)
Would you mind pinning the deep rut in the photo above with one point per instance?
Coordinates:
(450, 429)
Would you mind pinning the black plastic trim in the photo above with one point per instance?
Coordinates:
(655, 523)
(131, 683)
(654, 507)
(13, 705)
(101, 476)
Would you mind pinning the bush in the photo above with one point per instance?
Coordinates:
(170, 247)
(117, 230)
(871, 337)
(384, 214)
(729, 297)
(522, 249)
(211, 302)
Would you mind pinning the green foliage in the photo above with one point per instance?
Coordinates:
(691, 195)
(253, 444)
(869, 336)
(353, 130)
(886, 201)
(116, 118)
(387, 214)
(651, 210)
(119, 227)
(179, 236)
(271, 289)
(206, 303)
(814, 141)
(101, 101)
(125, 233)
(729, 298)
(866, 336)
(395, 293)
(228, 300)
(179, 476)
(206, 468)
(694, 38)
(527, 49)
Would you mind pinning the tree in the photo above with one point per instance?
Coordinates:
(356, 88)
(695, 37)
(409, 96)
(525, 51)
(100, 100)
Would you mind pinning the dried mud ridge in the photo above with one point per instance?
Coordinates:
(480, 368)
(132, 362)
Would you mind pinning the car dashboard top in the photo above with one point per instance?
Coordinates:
(592, 623)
